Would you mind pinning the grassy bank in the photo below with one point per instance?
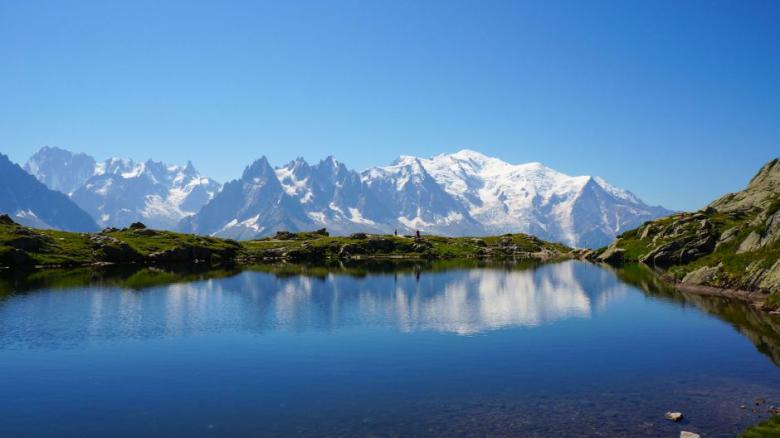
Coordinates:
(27, 247)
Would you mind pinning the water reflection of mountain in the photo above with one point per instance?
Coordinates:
(448, 298)
(459, 301)
(463, 301)
(762, 329)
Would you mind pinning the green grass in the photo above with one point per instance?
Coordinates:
(766, 429)
(735, 270)
(60, 248)
(167, 240)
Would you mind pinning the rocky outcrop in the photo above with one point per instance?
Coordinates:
(732, 244)
(6, 220)
(111, 250)
(613, 255)
(703, 275)
(760, 193)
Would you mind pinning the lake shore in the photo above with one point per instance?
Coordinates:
(24, 247)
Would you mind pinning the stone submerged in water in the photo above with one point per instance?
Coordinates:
(686, 434)
(674, 416)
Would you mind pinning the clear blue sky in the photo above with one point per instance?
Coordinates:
(677, 101)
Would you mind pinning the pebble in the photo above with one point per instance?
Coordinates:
(686, 434)
(674, 416)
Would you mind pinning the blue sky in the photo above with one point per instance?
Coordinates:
(677, 101)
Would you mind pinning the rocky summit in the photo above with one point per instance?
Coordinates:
(733, 244)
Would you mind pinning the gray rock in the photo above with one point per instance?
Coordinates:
(698, 248)
(674, 416)
(728, 236)
(686, 434)
(702, 275)
(751, 243)
(771, 278)
(612, 255)
(665, 255)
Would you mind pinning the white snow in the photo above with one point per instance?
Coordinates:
(357, 217)
(504, 197)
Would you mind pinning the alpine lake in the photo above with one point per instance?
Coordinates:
(378, 349)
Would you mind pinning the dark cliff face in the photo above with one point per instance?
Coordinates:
(733, 243)
(29, 202)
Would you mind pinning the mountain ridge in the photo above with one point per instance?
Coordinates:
(31, 203)
(457, 194)
(119, 191)
(464, 193)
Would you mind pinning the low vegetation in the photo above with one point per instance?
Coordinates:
(768, 428)
(732, 244)
(27, 247)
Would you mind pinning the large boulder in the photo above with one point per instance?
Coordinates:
(111, 250)
(137, 226)
(698, 248)
(703, 275)
(751, 243)
(27, 240)
(664, 255)
(612, 255)
(771, 279)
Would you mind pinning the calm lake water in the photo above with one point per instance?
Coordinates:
(567, 349)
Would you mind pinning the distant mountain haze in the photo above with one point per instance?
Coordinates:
(29, 202)
(464, 193)
(119, 191)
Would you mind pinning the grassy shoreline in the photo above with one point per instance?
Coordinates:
(24, 247)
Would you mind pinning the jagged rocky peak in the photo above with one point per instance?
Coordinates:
(762, 190)
(259, 168)
(465, 192)
(453, 194)
(60, 169)
(118, 191)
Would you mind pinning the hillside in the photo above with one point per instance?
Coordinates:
(733, 244)
(21, 246)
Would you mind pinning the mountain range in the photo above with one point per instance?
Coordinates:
(463, 193)
(119, 191)
(29, 202)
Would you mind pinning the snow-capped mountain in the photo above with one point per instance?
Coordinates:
(59, 169)
(581, 211)
(416, 200)
(256, 204)
(31, 203)
(120, 191)
(332, 196)
(465, 193)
